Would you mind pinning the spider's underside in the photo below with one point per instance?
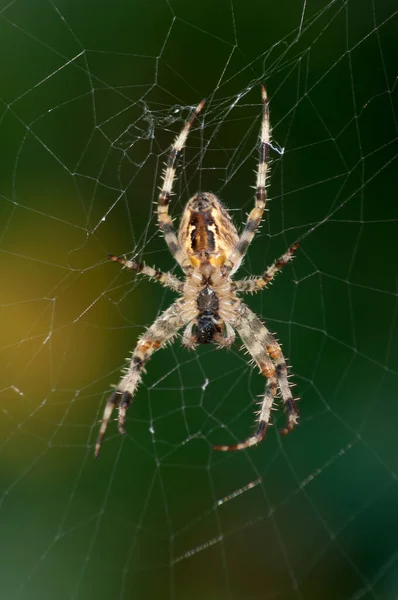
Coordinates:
(209, 250)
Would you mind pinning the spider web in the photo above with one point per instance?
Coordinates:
(92, 95)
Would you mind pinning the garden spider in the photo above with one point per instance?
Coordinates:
(209, 251)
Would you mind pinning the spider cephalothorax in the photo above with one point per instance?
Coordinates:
(207, 320)
(209, 250)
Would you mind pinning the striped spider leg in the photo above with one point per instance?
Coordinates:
(255, 284)
(167, 279)
(163, 330)
(262, 346)
(267, 353)
(168, 324)
(255, 216)
(164, 220)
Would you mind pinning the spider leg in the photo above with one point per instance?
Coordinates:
(267, 353)
(289, 403)
(225, 340)
(255, 216)
(254, 284)
(164, 219)
(188, 338)
(167, 279)
(162, 330)
(259, 354)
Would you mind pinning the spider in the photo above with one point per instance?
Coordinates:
(209, 250)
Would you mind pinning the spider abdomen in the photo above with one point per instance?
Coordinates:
(206, 233)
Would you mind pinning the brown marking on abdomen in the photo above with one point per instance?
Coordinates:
(203, 229)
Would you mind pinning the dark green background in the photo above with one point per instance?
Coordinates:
(92, 94)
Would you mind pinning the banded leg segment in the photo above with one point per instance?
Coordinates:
(164, 219)
(258, 283)
(248, 334)
(268, 355)
(273, 349)
(167, 279)
(255, 216)
(163, 329)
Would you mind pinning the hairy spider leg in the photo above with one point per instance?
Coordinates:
(274, 350)
(259, 354)
(255, 284)
(162, 330)
(167, 279)
(255, 216)
(267, 353)
(164, 220)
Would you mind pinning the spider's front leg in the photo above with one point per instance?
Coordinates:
(162, 330)
(267, 353)
(261, 357)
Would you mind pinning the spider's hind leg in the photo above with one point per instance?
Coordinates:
(164, 220)
(256, 214)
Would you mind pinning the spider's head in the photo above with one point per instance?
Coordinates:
(205, 330)
(206, 234)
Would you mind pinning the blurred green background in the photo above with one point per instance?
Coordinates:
(92, 94)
